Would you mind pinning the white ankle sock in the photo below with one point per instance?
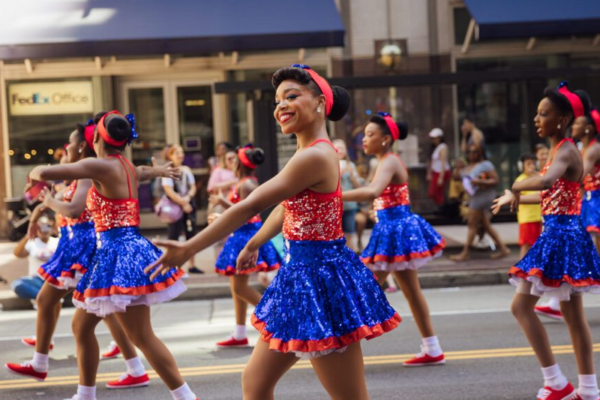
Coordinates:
(432, 346)
(554, 304)
(86, 392)
(554, 378)
(183, 393)
(135, 367)
(588, 387)
(40, 362)
(239, 332)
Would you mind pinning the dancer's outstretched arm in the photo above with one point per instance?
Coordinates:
(383, 177)
(268, 231)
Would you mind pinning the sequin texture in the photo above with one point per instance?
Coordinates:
(268, 258)
(313, 216)
(591, 181)
(401, 240)
(113, 213)
(234, 198)
(392, 196)
(86, 215)
(563, 198)
(590, 211)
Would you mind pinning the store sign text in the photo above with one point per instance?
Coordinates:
(50, 98)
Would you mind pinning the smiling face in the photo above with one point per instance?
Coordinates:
(374, 139)
(176, 155)
(296, 106)
(548, 119)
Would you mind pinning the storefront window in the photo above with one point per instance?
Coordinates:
(196, 124)
(147, 104)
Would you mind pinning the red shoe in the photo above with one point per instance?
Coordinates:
(128, 381)
(548, 312)
(26, 369)
(233, 342)
(113, 351)
(566, 393)
(31, 342)
(423, 360)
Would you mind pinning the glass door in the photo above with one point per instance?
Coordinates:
(148, 106)
(195, 125)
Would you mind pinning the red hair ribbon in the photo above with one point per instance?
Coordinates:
(244, 157)
(574, 100)
(391, 125)
(596, 117)
(104, 133)
(88, 135)
(322, 84)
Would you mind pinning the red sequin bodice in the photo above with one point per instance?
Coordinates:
(392, 196)
(563, 198)
(591, 182)
(113, 213)
(313, 216)
(86, 215)
(234, 198)
(61, 221)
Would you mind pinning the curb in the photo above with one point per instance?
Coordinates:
(209, 291)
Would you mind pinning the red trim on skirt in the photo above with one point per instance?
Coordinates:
(592, 229)
(47, 277)
(519, 273)
(412, 256)
(333, 342)
(262, 267)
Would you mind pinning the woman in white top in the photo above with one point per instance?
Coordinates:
(438, 174)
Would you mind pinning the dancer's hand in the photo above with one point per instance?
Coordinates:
(174, 256)
(246, 259)
(212, 217)
(507, 198)
(167, 170)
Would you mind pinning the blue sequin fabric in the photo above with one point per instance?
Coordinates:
(322, 300)
(401, 240)
(117, 279)
(268, 258)
(563, 260)
(590, 211)
(73, 256)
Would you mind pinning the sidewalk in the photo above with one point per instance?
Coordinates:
(441, 272)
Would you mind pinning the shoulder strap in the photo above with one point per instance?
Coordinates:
(127, 166)
(322, 141)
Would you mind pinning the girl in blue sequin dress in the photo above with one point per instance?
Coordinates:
(401, 242)
(563, 262)
(73, 257)
(324, 300)
(115, 284)
(248, 160)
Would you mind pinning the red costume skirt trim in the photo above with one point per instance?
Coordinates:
(593, 229)
(333, 342)
(47, 277)
(262, 267)
(519, 273)
(130, 291)
(412, 256)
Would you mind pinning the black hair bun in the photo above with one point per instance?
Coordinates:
(256, 156)
(341, 103)
(118, 127)
(403, 128)
(585, 100)
(98, 116)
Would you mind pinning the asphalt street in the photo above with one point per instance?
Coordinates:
(488, 357)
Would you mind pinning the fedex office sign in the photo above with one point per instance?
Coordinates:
(50, 98)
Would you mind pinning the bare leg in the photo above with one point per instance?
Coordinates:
(522, 308)
(239, 286)
(361, 224)
(343, 374)
(597, 242)
(411, 288)
(120, 337)
(240, 305)
(49, 305)
(487, 225)
(84, 326)
(350, 241)
(524, 249)
(580, 332)
(474, 222)
(136, 323)
(381, 276)
(264, 369)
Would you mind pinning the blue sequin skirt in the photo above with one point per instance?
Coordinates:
(268, 258)
(73, 256)
(322, 300)
(590, 211)
(562, 261)
(401, 240)
(117, 279)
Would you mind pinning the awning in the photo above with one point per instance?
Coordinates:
(506, 19)
(84, 28)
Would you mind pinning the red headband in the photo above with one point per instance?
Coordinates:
(574, 100)
(391, 125)
(322, 84)
(104, 133)
(88, 135)
(596, 117)
(244, 158)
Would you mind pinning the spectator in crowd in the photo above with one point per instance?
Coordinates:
(471, 135)
(222, 178)
(479, 179)
(37, 250)
(182, 193)
(438, 172)
(529, 216)
(218, 160)
(541, 153)
(349, 180)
